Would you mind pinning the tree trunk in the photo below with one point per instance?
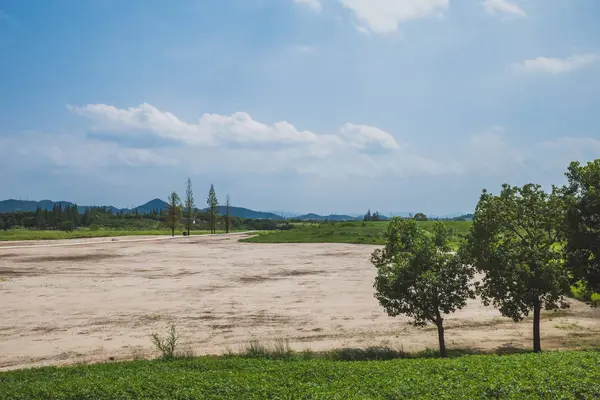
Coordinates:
(440, 326)
(189, 221)
(537, 345)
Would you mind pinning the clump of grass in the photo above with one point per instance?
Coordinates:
(307, 354)
(278, 349)
(186, 352)
(138, 353)
(375, 353)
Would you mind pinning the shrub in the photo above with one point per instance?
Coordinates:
(167, 346)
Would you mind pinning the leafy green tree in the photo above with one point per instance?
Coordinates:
(418, 275)
(189, 205)
(582, 231)
(227, 216)
(8, 222)
(367, 216)
(213, 204)
(174, 211)
(420, 217)
(513, 242)
(66, 226)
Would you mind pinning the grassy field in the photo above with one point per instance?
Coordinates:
(29, 234)
(565, 375)
(346, 232)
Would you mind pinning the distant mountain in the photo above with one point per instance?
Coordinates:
(240, 212)
(332, 217)
(18, 205)
(12, 205)
(156, 204)
(246, 213)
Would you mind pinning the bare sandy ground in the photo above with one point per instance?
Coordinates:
(99, 301)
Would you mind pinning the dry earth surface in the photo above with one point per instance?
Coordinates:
(102, 299)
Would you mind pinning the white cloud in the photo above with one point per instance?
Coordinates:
(558, 65)
(360, 136)
(494, 7)
(210, 130)
(304, 174)
(384, 16)
(276, 147)
(313, 4)
(214, 129)
(253, 150)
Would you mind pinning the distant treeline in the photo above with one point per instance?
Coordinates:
(68, 218)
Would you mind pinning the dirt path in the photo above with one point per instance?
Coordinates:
(29, 244)
(67, 304)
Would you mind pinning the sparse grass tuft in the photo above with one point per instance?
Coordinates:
(279, 349)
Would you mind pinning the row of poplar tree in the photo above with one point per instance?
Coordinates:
(187, 210)
(528, 245)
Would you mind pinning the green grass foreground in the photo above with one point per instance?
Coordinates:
(346, 232)
(555, 375)
(30, 234)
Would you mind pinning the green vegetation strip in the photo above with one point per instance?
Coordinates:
(567, 375)
(348, 232)
(26, 234)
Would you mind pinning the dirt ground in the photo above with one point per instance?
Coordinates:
(101, 300)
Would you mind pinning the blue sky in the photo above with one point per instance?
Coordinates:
(297, 105)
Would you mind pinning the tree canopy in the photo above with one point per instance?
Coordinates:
(418, 276)
(583, 223)
(190, 207)
(213, 204)
(174, 211)
(514, 242)
(420, 217)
